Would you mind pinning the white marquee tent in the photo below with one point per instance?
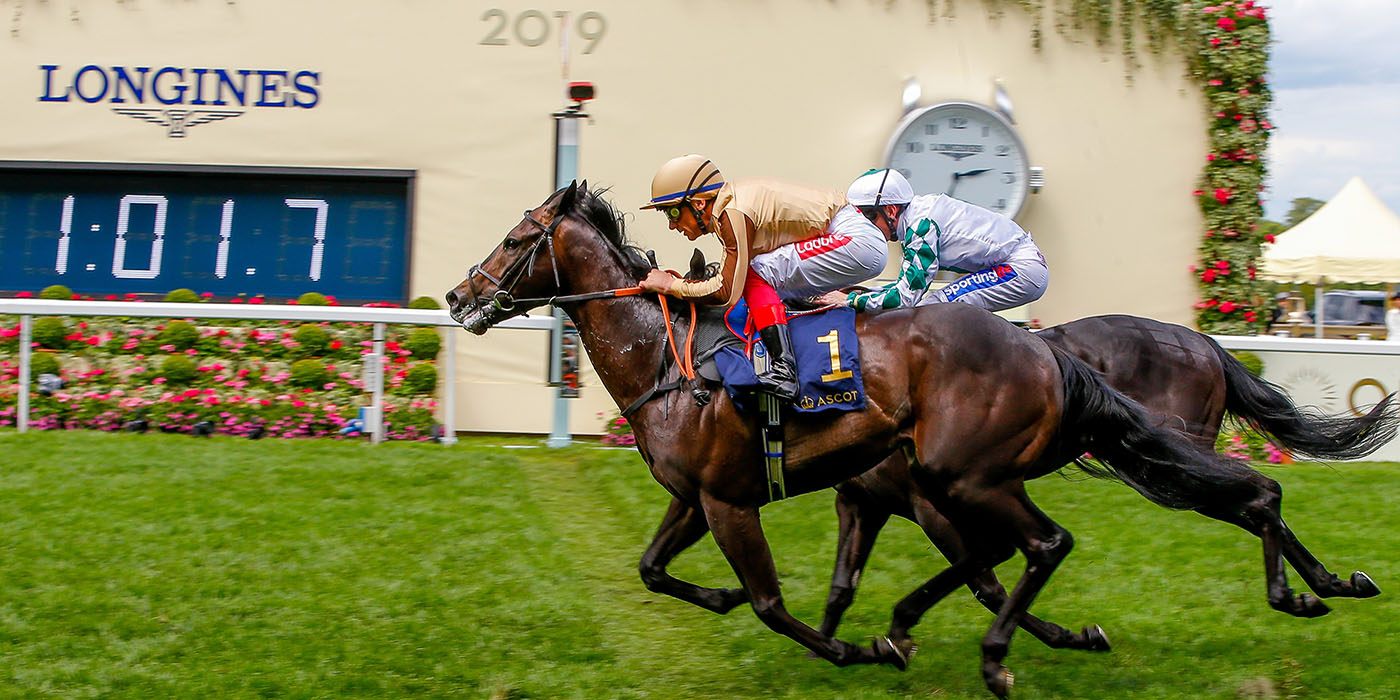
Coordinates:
(1354, 237)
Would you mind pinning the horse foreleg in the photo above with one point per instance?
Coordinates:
(859, 523)
(739, 534)
(682, 527)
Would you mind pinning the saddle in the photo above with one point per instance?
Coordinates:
(723, 344)
(828, 365)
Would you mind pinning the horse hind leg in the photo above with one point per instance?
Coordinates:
(1268, 508)
(910, 609)
(992, 595)
(994, 522)
(1045, 544)
(1262, 516)
(1323, 582)
(682, 527)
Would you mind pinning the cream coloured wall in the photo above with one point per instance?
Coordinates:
(800, 89)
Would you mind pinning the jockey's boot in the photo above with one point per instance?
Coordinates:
(781, 378)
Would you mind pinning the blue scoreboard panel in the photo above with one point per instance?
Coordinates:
(102, 229)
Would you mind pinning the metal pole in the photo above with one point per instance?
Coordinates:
(565, 172)
(26, 332)
(559, 435)
(377, 434)
(449, 391)
(1317, 309)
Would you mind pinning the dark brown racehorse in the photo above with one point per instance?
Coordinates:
(977, 405)
(1189, 382)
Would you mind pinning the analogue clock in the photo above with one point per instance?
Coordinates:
(965, 150)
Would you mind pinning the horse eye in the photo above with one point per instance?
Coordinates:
(510, 243)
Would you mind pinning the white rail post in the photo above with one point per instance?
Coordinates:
(377, 433)
(449, 391)
(26, 328)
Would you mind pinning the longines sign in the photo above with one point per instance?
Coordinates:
(179, 98)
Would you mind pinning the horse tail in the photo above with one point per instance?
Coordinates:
(1267, 410)
(1126, 445)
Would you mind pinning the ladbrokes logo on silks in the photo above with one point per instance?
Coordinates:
(179, 98)
(817, 245)
(979, 280)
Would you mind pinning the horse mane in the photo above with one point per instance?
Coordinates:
(601, 215)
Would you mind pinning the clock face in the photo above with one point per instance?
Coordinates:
(964, 150)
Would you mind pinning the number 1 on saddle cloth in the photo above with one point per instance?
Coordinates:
(828, 370)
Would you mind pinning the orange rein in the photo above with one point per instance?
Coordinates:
(687, 364)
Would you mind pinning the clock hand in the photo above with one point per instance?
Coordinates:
(970, 173)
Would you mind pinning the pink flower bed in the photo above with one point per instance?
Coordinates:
(239, 379)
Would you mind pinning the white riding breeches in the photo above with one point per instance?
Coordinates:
(849, 252)
(1020, 280)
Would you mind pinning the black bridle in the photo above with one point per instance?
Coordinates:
(504, 300)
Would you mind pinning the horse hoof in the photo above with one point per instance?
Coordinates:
(896, 655)
(1363, 587)
(1095, 639)
(1000, 681)
(1309, 606)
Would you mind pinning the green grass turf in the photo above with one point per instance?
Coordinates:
(163, 566)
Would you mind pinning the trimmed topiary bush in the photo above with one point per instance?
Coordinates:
(182, 334)
(424, 303)
(50, 332)
(56, 291)
(313, 299)
(43, 363)
(1250, 361)
(182, 296)
(421, 378)
(424, 343)
(314, 340)
(178, 369)
(308, 374)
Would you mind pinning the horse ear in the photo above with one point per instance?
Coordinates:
(697, 266)
(583, 187)
(566, 202)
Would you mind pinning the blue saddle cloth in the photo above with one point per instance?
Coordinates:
(828, 359)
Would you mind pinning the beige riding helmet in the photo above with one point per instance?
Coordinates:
(687, 177)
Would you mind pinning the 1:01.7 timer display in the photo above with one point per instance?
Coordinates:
(102, 232)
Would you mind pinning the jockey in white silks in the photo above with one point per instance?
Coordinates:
(1001, 266)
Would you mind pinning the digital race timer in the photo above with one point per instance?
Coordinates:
(101, 228)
